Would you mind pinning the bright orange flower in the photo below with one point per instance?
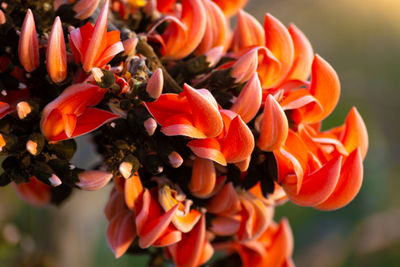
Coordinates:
(94, 46)
(153, 225)
(273, 248)
(239, 213)
(179, 39)
(323, 169)
(71, 114)
(184, 218)
(194, 249)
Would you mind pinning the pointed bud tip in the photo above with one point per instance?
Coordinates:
(23, 109)
(125, 168)
(55, 180)
(150, 125)
(155, 84)
(175, 159)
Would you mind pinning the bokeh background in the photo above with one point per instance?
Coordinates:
(361, 39)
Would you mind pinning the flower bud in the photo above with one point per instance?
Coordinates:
(129, 166)
(35, 143)
(175, 159)
(155, 84)
(150, 125)
(28, 47)
(54, 180)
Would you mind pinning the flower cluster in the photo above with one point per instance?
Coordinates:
(203, 130)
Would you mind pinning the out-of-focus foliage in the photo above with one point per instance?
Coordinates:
(361, 39)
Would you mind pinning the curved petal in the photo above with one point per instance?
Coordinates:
(206, 116)
(203, 178)
(279, 42)
(34, 192)
(349, 183)
(188, 252)
(121, 232)
(303, 55)
(274, 126)
(317, 186)
(325, 87)
(209, 148)
(216, 33)
(249, 100)
(355, 133)
(132, 190)
(248, 32)
(238, 143)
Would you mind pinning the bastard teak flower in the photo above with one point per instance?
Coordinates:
(203, 129)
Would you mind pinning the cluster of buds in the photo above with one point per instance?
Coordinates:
(203, 130)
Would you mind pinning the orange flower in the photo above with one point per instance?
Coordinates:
(239, 213)
(153, 225)
(194, 248)
(71, 114)
(323, 169)
(273, 248)
(179, 39)
(94, 46)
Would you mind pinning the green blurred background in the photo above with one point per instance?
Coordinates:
(361, 39)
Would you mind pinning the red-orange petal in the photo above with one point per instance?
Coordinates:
(317, 186)
(274, 126)
(187, 252)
(56, 57)
(349, 183)
(303, 55)
(279, 42)
(132, 190)
(325, 87)
(203, 177)
(249, 100)
(238, 143)
(209, 148)
(34, 192)
(121, 232)
(355, 133)
(206, 116)
(28, 47)
(248, 32)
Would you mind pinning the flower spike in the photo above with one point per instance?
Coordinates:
(28, 48)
